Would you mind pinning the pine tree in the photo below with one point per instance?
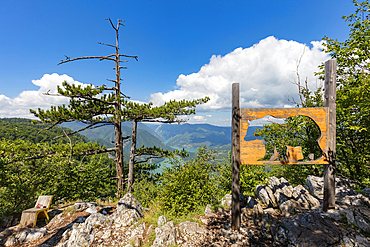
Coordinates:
(94, 108)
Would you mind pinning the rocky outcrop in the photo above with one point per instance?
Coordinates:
(166, 235)
(25, 235)
(280, 216)
(266, 196)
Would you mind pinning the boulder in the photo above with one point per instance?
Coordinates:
(250, 202)
(208, 210)
(166, 235)
(315, 186)
(161, 220)
(190, 228)
(366, 191)
(25, 235)
(83, 234)
(306, 200)
(315, 229)
(266, 196)
(130, 202)
(226, 201)
(81, 206)
(128, 210)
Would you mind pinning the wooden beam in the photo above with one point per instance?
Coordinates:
(235, 213)
(330, 101)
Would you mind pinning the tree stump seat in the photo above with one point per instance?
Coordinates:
(29, 216)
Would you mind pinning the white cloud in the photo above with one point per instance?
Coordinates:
(20, 106)
(265, 72)
(198, 118)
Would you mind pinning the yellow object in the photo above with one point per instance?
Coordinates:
(29, 216)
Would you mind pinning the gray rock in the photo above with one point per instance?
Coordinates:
(307, 201)
(355, 218)
(81, 206)
(25, 235)
(315, 186)
(166, 235)
(366, 191)
(257, 211)
(83, 234)
(226, 201)
(315, 229)
(208, 211)
(130, 202)
(161, 220)
(127, 211)
(80, 219)
(190, 228)
(125, 217)
(92, 210)
(265, 194)
(290, 206)
(250, 201)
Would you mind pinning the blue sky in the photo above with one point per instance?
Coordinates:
(186, 49)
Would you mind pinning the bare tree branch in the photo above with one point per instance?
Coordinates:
(100, 43)
(112, 24)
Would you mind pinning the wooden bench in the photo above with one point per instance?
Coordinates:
(42, 205)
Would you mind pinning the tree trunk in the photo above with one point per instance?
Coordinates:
(119, 158)
(132, 157)
(117, 123)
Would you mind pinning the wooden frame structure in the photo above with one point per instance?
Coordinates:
(250, 152)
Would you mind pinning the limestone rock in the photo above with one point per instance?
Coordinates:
(189, 228)
(161, 220)
(226, 201)
(128, 210)
(130, 202)
(265, 194)
(257, 211)
(290, 206)
(25, 235)
(208, 211)
(355, 218)
(250, 202)
(315, 186)
(81, 206)
(307, 201)
(366, 191)
(83, 234)
(166, 235)
(314, 229)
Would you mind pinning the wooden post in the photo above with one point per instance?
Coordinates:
(235, 152)
(330, 101)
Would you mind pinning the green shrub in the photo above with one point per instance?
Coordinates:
(187, 185)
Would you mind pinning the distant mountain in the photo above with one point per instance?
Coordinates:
(193, 135)
(167, 136)
(24, 129)
(105, 136)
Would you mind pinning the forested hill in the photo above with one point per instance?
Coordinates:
(194, 135)
(105, 136)
(24, 129)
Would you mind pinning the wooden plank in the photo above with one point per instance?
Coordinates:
(252, 151)
(235, 152)
(294, 153)
(330, 102)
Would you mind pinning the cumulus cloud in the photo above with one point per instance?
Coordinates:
(20, 106)
(265, 72)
